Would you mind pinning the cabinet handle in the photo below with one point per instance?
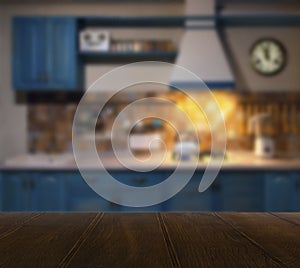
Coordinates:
(139, 180)
(297, 185)
(24, 184)
(215, 187)
(112, 204)
(31, 184)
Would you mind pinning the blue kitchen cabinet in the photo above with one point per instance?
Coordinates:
(62, 54)
(17, 191)
(241, 191)
(48, 192)
(296, 204)
(29, 50)
(68, 191)
(32, 191)
(142, 179)
(280, 192)
(80, 197)
(1, 192)
(45, 53)
(190, 199)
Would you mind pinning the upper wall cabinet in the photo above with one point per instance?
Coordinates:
(45, 53)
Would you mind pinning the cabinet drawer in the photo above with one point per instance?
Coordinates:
(242, 192)
(142, 179)
(50, 192)
(280, 192)
(81, 197)
(190, 199)
(296, 203)
(18, 191)
(76, 185)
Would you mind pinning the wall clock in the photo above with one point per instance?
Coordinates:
(268, 56)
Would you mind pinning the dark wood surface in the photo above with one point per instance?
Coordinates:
(150, 239)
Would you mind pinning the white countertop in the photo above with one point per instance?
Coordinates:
(234, 161)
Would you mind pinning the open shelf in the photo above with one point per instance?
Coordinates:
(128, 56)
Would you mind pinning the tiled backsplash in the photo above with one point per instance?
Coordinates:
(50, 125)
(285, 115)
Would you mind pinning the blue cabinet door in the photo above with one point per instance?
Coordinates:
(17, 191)
(190, 199)
(242, 191)
(1, 192)
(80, 197)
(49, 192)
(141, 179)
(29, 53)
(280, 192)
(45, 53)
(296, 203)
(33, 191)
(61, 53)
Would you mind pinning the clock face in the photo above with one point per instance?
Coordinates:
(268, 56)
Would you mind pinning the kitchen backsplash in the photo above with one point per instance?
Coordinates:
(50, 125)
(285, 120)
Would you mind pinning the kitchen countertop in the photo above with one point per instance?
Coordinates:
(234, 160)
(149, 240)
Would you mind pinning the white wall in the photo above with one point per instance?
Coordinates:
(240, 41)
(1, 89)
(95, 9)
(12, 116)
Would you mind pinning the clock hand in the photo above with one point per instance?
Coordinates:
(267, 53)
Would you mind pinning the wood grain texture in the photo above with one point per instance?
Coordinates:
(288, 216)
(124, 240)
(150, 240)
(44, 241)
(203, 240)
(276, 237)
(11, 222)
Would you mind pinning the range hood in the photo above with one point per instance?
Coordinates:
(201, 52)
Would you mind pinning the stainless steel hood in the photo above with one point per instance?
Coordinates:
(202, 53)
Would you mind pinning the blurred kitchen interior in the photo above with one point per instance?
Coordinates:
(247, 52)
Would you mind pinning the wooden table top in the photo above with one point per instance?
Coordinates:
(150, 239)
